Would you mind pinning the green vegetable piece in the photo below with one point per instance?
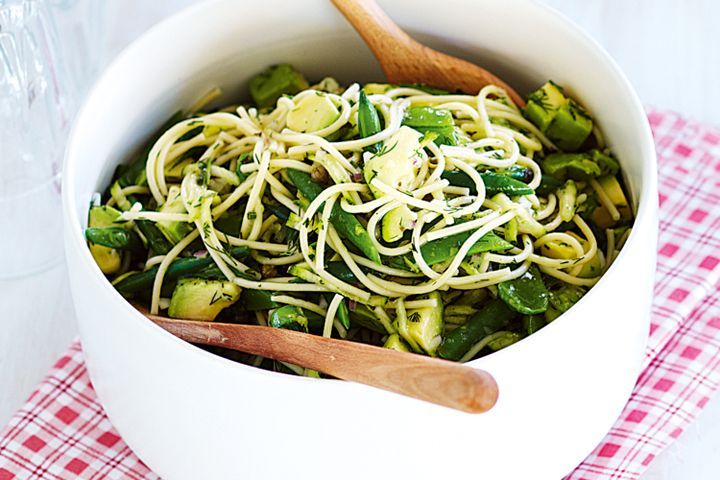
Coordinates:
(368, 120)
(108, 259)
(394, 342)
(395, 222)
(427, 117)
(114, 237)
(511, 230)
(517, 172)
(362, 316)
(295, 318)
(312, 113)
(570, 127)
(429, 120)
(543, 104)
(345, 223)
(533, 323)
(551, 314)
(443, 249)
(155, 238)
(565, 297)
(548, 184)
(503, 340)
(425, 325)
(498, 183)
(577, 166)
(277, 80)
(200, 299)
(394, 166)
(494, 183)
(608, 165)
(340, 270)
(174, 231)
(343, 314)
(567, 200)
(142, 281)
(492, 318)
(526, 294)
(253, 300)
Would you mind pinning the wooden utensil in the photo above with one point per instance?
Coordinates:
(438, 381)
(406, 61)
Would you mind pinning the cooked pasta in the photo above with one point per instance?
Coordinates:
(370, 212)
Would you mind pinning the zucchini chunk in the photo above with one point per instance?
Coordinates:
(543, 103)
(601, 215)
(394, 342)
(394, 166)
(199, 299)
(312, 113)
(174, 231)
(425, 325)
(108, 259)
(562, 119)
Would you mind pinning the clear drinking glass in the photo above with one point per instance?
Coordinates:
(40, 85)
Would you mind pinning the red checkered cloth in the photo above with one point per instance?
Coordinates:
(62, 432)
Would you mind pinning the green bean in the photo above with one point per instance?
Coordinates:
(251, 299)
(432, 121)
(492, 318)
(343, 314)
(345, 223)
(114, 237)
(156, 240)
(443, 249)
(526, 294)
(494, 183)
(340, 270)
(137, 282)
(548, 184)
(291, 317)
(368, 120)
(517, 172)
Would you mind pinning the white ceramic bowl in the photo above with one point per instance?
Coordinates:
(190, 415)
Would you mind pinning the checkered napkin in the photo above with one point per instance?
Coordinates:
(62, 432)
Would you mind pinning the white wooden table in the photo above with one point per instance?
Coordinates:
(668, 49)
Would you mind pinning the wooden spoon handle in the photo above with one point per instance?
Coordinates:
(379, 32)
(404, 60)
(438, 381)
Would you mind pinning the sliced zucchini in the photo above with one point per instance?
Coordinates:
(108, 259)
(200, 299)
(425, 325)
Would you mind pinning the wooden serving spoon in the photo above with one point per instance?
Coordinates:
(438, 381)
(406, 61)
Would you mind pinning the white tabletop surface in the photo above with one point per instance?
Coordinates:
(668, 49)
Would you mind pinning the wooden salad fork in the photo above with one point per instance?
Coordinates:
(404, 60)
(438, 381)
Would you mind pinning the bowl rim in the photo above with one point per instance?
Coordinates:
(645, 209)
